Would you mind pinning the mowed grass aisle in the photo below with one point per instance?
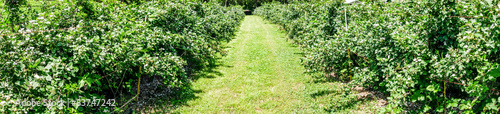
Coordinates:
(261, 73)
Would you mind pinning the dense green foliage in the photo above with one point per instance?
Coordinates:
(107, 47)
(426, 57)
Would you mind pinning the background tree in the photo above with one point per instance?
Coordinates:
(12, 7)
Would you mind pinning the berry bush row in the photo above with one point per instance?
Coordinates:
(427, 57)
(98, 50)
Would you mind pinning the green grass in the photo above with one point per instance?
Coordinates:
(262, 74)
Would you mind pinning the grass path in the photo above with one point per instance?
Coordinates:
(262, 74)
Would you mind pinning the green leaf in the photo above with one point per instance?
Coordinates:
(36, 63)
(427, 108)
(421, 98)
(433, 88)
(34, 84)
(48, 78)
(477, 35)
(495, 72)
(81, 83)
(40, 68)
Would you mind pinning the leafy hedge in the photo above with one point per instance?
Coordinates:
(110, 46)
(427, 57)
